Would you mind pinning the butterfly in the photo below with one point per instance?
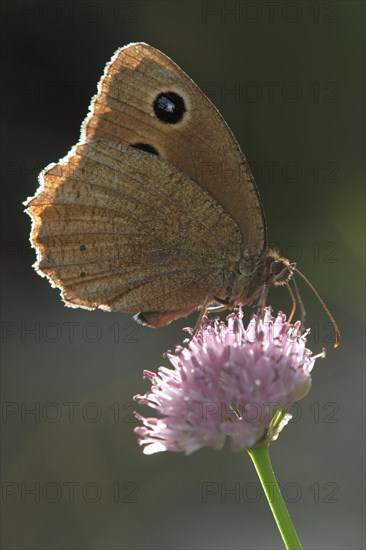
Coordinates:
(155, 211)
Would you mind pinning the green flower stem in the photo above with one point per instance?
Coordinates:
(262, 463)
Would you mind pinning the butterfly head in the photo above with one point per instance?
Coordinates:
(269, 269)
(279, 270)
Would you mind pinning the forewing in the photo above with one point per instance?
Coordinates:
(199, 143)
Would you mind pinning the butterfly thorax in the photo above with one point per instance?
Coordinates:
(253, 275)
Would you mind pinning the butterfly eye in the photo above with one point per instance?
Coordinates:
(145, 147)
(277, 267)
(169, 107)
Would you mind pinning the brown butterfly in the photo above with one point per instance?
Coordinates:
(155, 210)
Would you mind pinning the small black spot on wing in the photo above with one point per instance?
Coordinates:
(145, 147)
(141, 319)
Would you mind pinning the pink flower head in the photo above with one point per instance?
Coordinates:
(228, 383)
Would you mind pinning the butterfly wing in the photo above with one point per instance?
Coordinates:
(114, 228)
(144, 99)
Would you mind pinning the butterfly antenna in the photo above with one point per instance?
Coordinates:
(293, 303)
(335, 326)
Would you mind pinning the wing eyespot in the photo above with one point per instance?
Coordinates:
(169, 107)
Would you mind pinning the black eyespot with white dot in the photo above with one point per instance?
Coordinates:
(169, 107)
(82, 274)
(82, 247)
(145, 147)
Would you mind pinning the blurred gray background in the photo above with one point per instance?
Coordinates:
(288, 77)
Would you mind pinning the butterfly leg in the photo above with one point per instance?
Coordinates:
(301, 304)
(293, 303)
(205, 307)
(262, 302)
